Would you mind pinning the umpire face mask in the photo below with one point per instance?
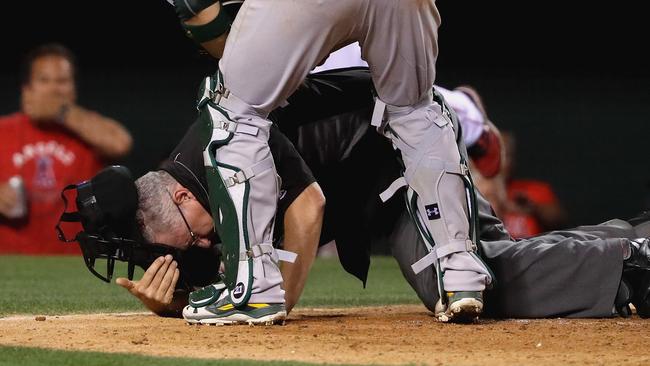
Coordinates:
(106, 207)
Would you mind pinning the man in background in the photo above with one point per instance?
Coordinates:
(531, 206)
(50, 143)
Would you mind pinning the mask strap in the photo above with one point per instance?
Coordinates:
(66, 216)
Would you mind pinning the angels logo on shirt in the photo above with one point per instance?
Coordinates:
(44, 177)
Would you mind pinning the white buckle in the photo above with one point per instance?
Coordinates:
(231, 181)
(219, 93)
(261, 249)
(464, 169)
(239, 177)
(471, 246)
(248, 173)
(226, 126)
(236, 179)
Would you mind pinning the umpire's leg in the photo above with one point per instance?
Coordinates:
(407, 247)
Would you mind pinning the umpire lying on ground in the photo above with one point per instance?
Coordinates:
(592, 271)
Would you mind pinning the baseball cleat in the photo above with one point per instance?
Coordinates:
(636, 276)
(624, 296)
(212, 305)
(641, 294)
(639, 255)
(224, 313)
(464, 307)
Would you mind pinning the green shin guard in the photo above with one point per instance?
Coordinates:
(243, 191)
(229, 222)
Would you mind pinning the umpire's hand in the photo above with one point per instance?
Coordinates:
(156, 287)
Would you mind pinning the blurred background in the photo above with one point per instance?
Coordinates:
(571, 84)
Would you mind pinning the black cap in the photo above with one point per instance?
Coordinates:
(117, 198)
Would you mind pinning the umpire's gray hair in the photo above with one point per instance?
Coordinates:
(156, 212)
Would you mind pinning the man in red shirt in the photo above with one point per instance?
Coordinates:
(50, 143)
(531, 207)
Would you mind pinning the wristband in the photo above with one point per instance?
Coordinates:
(186, 9)
(211, 30)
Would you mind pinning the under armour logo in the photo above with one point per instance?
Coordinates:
(433, 212)
(238, 290)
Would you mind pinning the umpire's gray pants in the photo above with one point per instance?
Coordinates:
(572, 273)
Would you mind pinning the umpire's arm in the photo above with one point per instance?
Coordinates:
(302, 225)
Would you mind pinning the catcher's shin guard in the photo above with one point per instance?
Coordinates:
(439, 195)
(243, 191)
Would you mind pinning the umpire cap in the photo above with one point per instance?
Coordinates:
(109, 201)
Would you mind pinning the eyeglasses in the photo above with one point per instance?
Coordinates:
(195, 238)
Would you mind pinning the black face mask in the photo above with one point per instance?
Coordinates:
(106, 210)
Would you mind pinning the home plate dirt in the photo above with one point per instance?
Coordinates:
(386, 335)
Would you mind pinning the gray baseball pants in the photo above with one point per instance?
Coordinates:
(274, 44)
(570, 273)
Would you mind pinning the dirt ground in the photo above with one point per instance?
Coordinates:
(390, 335)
